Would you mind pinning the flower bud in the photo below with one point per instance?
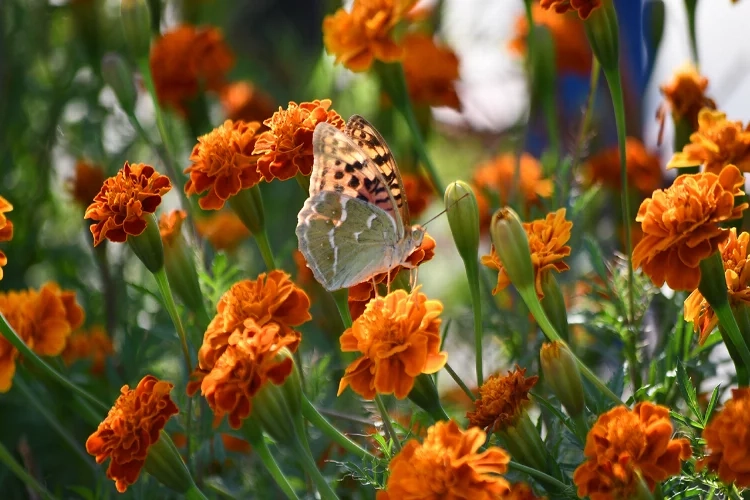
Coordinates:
(602, 32)
(248, 205)
(424, 394)
(183, 278)
(118, 76)
(147, 246)
(463, 218)
(136, 26)
(553, 304)
(165, 464)
(562, 375)
(512, 247)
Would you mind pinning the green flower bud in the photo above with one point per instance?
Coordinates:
(463, 218)
(147, 246)
(136, 26)
(562, 375)
(512, 247)
(119, 77)
(424, 394)
(165, 464)
(553, 304)
(603, 34)
(248, 205)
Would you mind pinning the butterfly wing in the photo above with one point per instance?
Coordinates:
(371, 142)
(343, 167)
(345, 240)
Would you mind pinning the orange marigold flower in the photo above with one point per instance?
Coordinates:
(244, 101)
(6, 230)
(358, 37)
(272, 298)
(234, 444)
(247, 363)
(223, 163)
(361, 294)
(170, 225)
(521, 491)
(502, 398)
(447, 465)
(583, 7)
(131, 427)
(87, 182)
(304, 274)
(643, 167)
(717, 142)
(686, 94)
(419, 192)
(399, 338)
(434, 83)
(187, 60)
(623, 445)
(225, 230)
(728, 440)
(572, 52)
(497, 176)
(286, 148)
(681, 226)
(547, 238)
(94, 345)
(121, 205)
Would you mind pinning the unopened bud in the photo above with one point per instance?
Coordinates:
(165, 464)
(463, 218)
(562, 375)
(147, 246)
(512, 247)
(248, 205)
(136, 26)
(276, 407)
(119, 77)
(602, 32)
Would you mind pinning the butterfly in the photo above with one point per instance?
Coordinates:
(355, 223)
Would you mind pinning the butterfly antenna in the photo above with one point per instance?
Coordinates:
(445, 210)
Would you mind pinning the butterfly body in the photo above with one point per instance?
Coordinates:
(355, 223)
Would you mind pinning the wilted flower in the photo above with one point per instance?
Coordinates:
(447, 465)
(223, 163)
(643, 167)
(124, 200)
(225, 230)
(286, 148)
(624, 445)
(686, 95)
(502, 399)
(244, 101)
(399, 338)
(358, 37)
(728, 440)
(433, 84)
(131, 427)
(93, 344)
(6, 230)
(737, 274)
(186, 61)
(583, 7)
(497, 177)
(717, 143)
(87, 182)
(547, 238)
(681, 226)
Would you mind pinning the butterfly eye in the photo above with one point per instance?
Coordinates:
(417, 234)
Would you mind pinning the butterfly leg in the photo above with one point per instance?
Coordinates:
(388, 281)
(413, 277)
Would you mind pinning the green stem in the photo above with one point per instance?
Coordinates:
(316, 419)
(690, 7)
(581, 426)
(265, 249)
(29, 355)
(195, 494)
(341, 297)
(460, 382)
(472, 273)
(389, 430)
(306, 461)
(163, 284)
(596, 69)
(541, 476)
(6, 458)
(254, 435)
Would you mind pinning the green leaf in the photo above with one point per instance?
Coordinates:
(688, 391)
(711, 404)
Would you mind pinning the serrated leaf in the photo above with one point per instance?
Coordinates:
(688, 391)
(557, 413)
(711, 404)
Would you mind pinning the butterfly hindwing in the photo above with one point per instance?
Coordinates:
(344, 239)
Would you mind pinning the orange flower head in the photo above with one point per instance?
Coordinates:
(737, 275)
(6, 230)
(685, 94)
(186, 61)
(250, 359)
(121, 205)
(728, 440)
(131, 427)
(502, 400)
(223, 163)
(244, 101)
(717, 142)
(419, 192)
(583, 7)
(572, 52)
(225, 230)
(87, 182)
(497, 175)
(170, 225)
(625, 444)
(547, 238)
(13, 305)
(399, 338)
(433, 84)
(234, 444)
(272, 298)
(287, 148)
(521, 491)
(643, 167)
(681, 226)
(94, 345)
(361, 294)
(304, 274)
(447, 465)
(359, 37)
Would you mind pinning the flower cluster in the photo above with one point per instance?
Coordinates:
(685, 95)
(502, 398)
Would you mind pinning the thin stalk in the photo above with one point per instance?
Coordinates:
(265, 249)
(6, 458)
(306, 461)
(316, 419)
(254, 435)
(389, 430)
(460, 382)
(596, 70)
(29, 355)
(341, 297)
(736, 345)
(195, 494)
(472, 273)
(690, 6)
(163, 284)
